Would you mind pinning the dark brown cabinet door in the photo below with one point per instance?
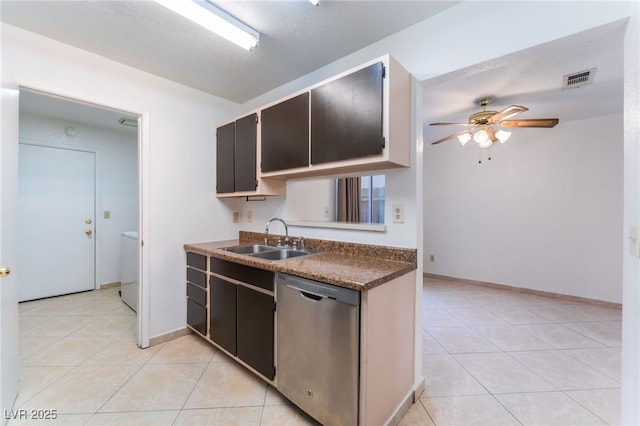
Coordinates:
(197, 316)
(256, 330)
(245, 153)
(285, 134)
(346, 116)
(222, 313)
(225, 137)
(236, 145)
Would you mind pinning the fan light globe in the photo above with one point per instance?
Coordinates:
(464, 138)
(481, 136)
(485, 144)
(502, 135)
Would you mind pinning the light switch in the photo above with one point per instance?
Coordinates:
(249, 216)
(107, 214)
(236, 217)
(398, 213)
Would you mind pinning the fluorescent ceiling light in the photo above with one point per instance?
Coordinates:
(314, 2)
(204, 13)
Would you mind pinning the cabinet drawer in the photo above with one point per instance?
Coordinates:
(198, 294)
(197, 316)
(197, 261)
(246, 274)
(197, 277)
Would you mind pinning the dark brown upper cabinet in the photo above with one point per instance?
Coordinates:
(285, 134)
(346, 116)
(236, 155)
(225, 142)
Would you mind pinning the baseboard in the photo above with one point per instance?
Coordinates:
(560, 296)
(156, 340)
(419, 390)
(110, 285)
(402, 410)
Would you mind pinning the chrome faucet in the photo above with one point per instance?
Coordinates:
(286, 231)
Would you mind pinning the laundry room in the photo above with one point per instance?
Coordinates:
(77, 197)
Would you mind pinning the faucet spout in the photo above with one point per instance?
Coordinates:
(286, 231)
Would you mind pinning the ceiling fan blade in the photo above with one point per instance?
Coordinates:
(455, 135)
(534, 122)
(508, 112)
(451, 124)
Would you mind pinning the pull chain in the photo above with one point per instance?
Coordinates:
(480, 155)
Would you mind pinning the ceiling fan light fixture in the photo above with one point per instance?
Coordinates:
(481, 136)
(485, 144)
(502, 135)
(464, 138)
(216, 20)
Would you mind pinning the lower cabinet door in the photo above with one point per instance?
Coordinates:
(197, 316)
(222, 312)
(256, 330)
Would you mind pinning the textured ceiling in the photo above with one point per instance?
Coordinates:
(295, 37)
(534, 78)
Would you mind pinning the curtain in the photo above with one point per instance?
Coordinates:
(349, 199)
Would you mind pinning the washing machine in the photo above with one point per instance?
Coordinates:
(129, 269)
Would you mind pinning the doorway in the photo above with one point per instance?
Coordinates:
(62, 129)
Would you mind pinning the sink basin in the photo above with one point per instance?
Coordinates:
(280, 254)
(266, 252)
(250, 249)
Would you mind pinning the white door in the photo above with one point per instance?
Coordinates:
(9, 361)
(56, 209)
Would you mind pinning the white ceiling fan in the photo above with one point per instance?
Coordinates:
(482, 125)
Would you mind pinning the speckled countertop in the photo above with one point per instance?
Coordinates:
(357, 266)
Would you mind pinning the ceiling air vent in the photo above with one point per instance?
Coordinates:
(578, 79)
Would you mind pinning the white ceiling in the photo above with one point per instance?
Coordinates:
(533, 78)
(295, 37)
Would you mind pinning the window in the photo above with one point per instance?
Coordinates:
(360, 199)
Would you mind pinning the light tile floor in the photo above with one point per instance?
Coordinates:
(79, 358)
(494, 357)
(490, 357)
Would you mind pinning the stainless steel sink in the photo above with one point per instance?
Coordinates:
(250, 249)
(266, 252)
(280, 254)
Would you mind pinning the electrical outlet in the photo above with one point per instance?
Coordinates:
(107, 214)
(249, 216)
(326, 212)
(432, 258)
(398, 213)
(236, 217)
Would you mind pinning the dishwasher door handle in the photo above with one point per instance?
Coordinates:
(307, 294)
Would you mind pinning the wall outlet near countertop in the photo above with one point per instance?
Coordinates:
(398, 213)
(236, 217)
(249, 216)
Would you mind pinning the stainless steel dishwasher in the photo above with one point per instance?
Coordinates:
(317, 364)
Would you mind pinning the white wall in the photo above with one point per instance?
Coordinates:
(420, 49)
(117, 185)
(178, 191)
(545, 213)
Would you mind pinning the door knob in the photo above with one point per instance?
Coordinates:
(88, 222)
(4, 272)
(88, 232)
